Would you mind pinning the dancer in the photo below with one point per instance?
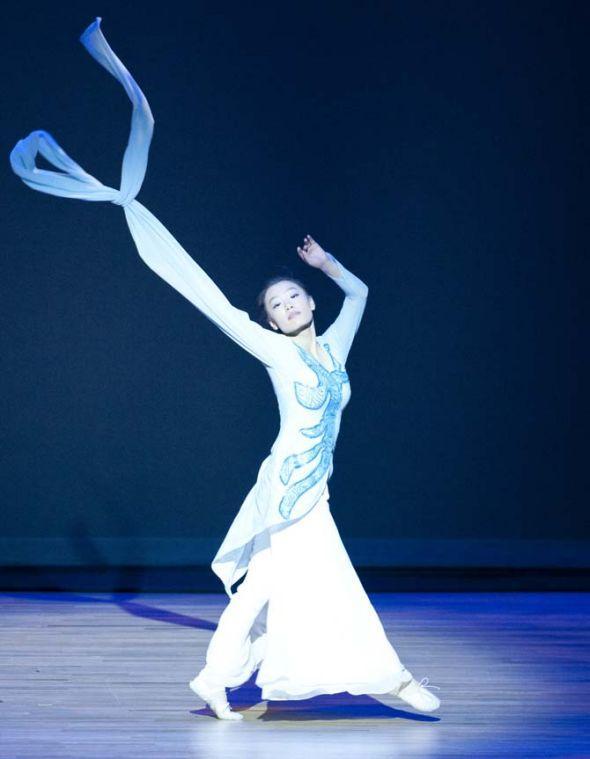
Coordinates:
(300, 616)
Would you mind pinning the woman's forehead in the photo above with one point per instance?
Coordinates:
(279, 288)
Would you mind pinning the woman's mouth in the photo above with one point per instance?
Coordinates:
(292, 314)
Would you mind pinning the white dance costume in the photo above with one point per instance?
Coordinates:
(317, 630)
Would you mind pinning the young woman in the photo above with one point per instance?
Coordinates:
(301, 616)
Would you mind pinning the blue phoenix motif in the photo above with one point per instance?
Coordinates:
(329, 388)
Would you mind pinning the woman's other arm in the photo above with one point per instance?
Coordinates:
(342, 331)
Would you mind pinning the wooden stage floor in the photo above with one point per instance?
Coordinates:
(106, 675)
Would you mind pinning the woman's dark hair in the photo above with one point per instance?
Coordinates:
(261, 315)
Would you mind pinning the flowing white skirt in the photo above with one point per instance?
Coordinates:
(320, 632)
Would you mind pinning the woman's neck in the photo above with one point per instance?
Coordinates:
(307, 339)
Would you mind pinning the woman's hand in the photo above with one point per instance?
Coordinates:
(312, 253)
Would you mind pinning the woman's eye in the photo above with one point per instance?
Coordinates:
(295, 295)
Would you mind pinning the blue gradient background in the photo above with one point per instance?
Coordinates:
(437, 148)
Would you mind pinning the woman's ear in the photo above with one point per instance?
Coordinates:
(311, 302)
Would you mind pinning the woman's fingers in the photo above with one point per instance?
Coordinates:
(308, 241)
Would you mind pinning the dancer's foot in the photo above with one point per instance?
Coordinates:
(215, 699)
(416, 695)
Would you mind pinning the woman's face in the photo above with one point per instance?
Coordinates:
(288, 307)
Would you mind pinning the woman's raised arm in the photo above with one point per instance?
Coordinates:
(156, 246)
(164, 255)
(342, 331)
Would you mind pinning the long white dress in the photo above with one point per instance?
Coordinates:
(321, 633)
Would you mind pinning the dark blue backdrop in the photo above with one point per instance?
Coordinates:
(436, 148)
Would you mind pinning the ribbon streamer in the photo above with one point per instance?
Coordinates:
(75, 182)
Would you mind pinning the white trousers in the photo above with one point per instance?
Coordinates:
(237, 646)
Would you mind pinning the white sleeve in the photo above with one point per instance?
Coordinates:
(343, 329)
(156, 246)
(164, 255)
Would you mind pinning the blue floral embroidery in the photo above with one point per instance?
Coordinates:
(329, 388)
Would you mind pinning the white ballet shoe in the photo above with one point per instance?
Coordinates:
(216, 700)
(416, 695)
